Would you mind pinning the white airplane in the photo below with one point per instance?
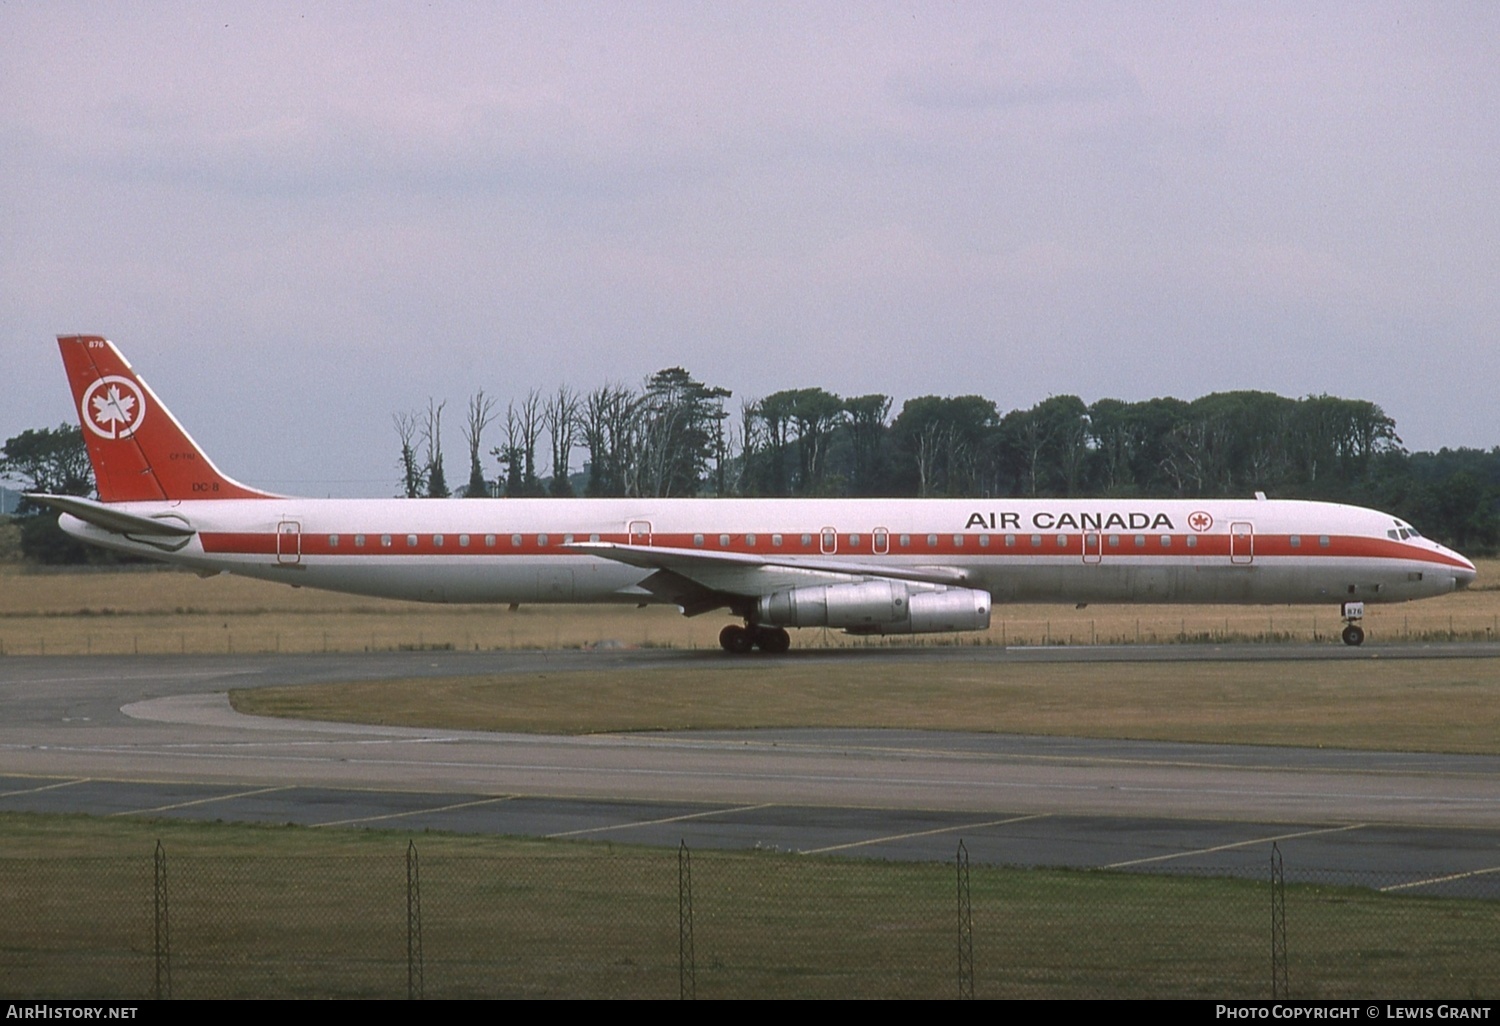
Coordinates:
(868, 566)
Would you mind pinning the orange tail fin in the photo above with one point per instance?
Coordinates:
(139, 451)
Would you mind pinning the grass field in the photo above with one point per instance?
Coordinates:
(292, 912)
(1448, 705)
(158, 611)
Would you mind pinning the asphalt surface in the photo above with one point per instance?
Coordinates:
(154, 736)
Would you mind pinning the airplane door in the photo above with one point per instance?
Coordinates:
(828, 541)
(1241, 543)
(640, 532)
(882, 540)
(1093, 547)
(289, 543)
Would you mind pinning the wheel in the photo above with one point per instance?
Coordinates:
(772, 640)
(1354, 635)
(736, 639)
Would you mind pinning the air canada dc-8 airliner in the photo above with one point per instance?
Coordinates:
(868, 566)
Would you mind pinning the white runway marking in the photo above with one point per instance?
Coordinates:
(45, 787)
(658, 822)
(924, 833)
(416, 812)
(1442, 879)
(201, 801)
(1236, 844)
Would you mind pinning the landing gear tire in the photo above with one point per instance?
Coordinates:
(772, 640)
(736, 639)
(1354, 635)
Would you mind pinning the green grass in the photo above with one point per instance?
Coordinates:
(295, 912)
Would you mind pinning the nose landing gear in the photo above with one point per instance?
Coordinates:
(1353, 612)
(740, 640)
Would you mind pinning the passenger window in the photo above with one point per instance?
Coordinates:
(724, 541)
(1062, 541)
(1140, 541)
(1323, 541)
(1114, 541)
(515, 541)
(463, 541)
(1192, 541)
(853, 540)
(385, 541)
(359, 541)
(489, 541)
(698, 540)
(750, 540)
(1010, 541)
(411, 541)
(567, 539)
(593, 537)
(984, 541)
(1166, 541)
(958, 541)
(333, 541)
(806, 540)
(905, 540)
(1295, 541)
(1036, 541)
(541, 539)
(437, 540)
(776, 540)
(932, 541)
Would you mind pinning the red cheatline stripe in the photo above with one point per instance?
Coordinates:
(399, 544)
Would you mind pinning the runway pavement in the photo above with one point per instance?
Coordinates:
(155, 736)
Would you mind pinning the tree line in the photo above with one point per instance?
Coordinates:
(676, 436)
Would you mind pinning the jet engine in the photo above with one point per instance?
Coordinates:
(878, 607)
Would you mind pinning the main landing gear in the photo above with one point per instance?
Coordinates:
(739, 640)
(1353, 612)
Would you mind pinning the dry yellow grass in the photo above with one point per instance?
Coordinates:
(151, 610)
(1403, 705)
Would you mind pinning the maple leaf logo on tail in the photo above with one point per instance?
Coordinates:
(113, 407)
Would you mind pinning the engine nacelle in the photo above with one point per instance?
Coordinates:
(878, 607)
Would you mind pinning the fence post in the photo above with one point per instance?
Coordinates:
(965, 926)
(415, 981)
(687, 969)
(1278, 927)
(163, 934)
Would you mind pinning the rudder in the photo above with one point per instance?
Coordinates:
(139, 451)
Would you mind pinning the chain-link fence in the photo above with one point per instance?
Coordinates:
(587, 921)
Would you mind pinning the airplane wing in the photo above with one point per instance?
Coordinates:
(699, 581)
(114, 520)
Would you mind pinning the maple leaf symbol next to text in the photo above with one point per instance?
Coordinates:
(112, 406)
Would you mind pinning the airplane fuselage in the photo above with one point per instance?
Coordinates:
(536, 550)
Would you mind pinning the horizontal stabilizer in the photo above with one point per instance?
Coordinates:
(115, 520)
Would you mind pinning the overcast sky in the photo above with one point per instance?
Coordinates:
(296, 220)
